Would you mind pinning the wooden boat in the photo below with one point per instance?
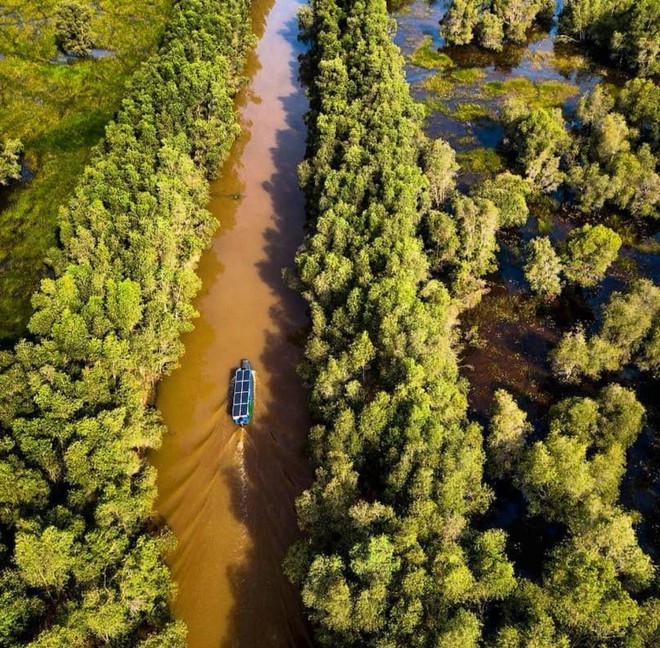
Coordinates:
(243, 399)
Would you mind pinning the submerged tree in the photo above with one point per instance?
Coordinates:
(73, 22)
(507, 434)
(10, 166)
(543, 268)
(629, 332)
(590, 250)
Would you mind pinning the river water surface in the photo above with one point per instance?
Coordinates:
(227, 494)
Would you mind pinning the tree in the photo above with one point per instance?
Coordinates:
(590, 187)
(460, 21)
(588, 598)
(519, 15)
(539, 138)
(594, 106)
(477, 222)
(611, 135)
(440, 168)
(639, 101)
(46, 559)
(628, 331)
(507, 435)
(10, 166)
(508, 192)
(649, 358)
(542, 268)
(73, 21)
(635, 185)
(491, 32)
(590, 250)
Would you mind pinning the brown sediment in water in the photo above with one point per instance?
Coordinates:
(228, 494)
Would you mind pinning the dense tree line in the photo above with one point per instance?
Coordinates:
(392, 556)
(81, 557)
(389, 558)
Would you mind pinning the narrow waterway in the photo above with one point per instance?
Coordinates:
(227, 494)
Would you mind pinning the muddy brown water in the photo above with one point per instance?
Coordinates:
(228, 494)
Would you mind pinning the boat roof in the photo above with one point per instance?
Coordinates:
(242, 387)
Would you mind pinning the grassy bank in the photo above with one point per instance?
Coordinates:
(59, 111)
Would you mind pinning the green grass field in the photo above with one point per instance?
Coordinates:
(59, 111)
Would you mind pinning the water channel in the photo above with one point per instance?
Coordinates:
(228, 494)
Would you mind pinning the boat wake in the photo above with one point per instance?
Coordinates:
(242, 472)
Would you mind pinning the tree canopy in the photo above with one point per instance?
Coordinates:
(81, 555)
(389, 556)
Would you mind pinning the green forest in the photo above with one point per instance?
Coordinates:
(399, 547)
(479, 269)
(82, 553)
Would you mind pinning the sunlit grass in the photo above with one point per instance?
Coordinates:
(470, 111)
(438, 84)
(480, 160)
(427, 56)
(467, 75)
(543, 94)
(59, 112)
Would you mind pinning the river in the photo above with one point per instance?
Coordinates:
(228, 495)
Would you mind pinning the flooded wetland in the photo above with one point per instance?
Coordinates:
(228, 494)
(509, 334)
(478, 308)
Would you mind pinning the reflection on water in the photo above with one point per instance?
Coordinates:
(228, 494)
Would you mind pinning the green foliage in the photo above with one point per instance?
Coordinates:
(629, 333)
(608, 162)
(639, 101)
(494, 22)
(83, 565)
(507, 434)
(438, 160)
(73, 21)
(538, 139)
(10, 166)
(573, 477)
(460, 21)
(543, 268)
(590, 250)
(490, 32)
(388, 557)
(477, 222)
(508, 192)
(45, 560)
(625, 31)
